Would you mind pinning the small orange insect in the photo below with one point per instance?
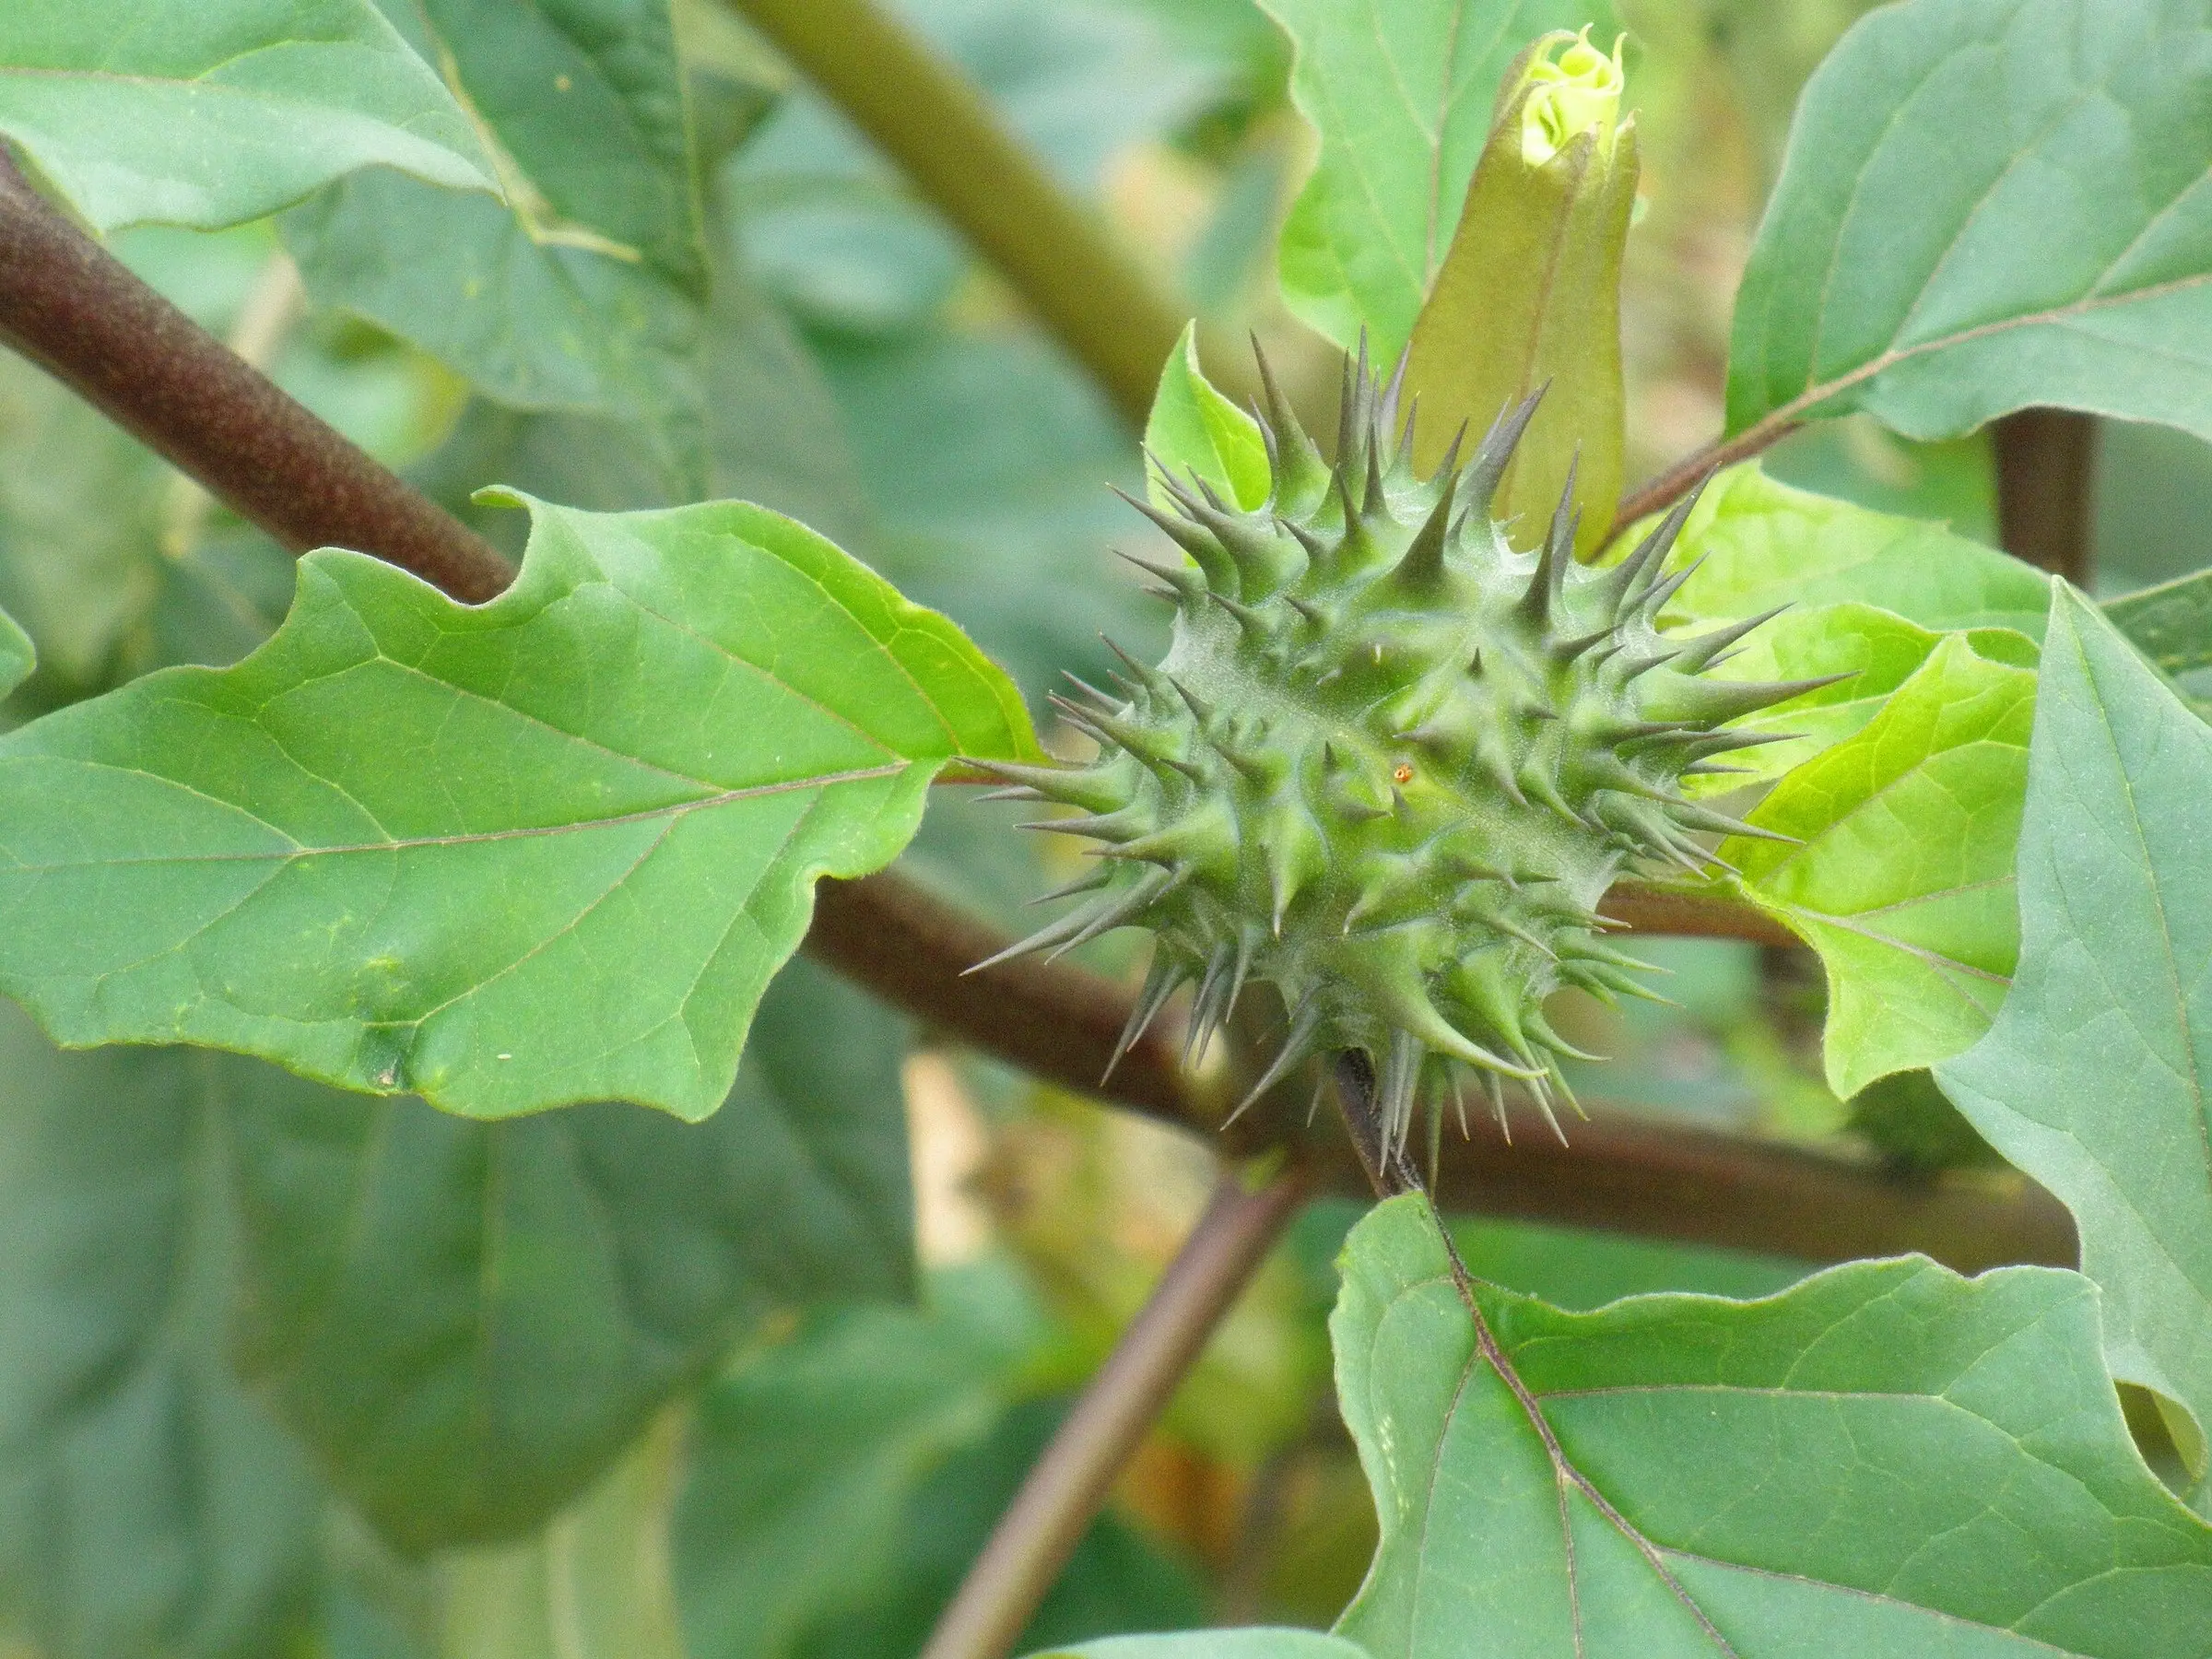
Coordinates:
(1404, 775)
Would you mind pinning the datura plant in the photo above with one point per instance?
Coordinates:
(442, 1218)
(1389, 765)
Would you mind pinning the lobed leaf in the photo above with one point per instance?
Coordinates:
(222, 111)
(1401, 96)
(1193, 429)
(1987, 205)
(2092, 1079)
(1900, 870)
(1885, 1460)
(543, 851)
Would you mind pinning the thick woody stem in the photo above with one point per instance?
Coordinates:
(74, 309)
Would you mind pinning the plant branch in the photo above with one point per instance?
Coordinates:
(1669, 487)
(74, 309)
(1069, 1484)
(1058, 255)
(1618, 1171)
(161, 376)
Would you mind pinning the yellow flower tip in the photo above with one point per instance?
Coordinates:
(1580, 92)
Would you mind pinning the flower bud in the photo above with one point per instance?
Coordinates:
(1529, 292)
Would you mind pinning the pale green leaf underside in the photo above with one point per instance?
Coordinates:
(17, 657)
(543, 851)
(1989, 204)
(1401, 94)
(221, 111)
(1193, 429)
(1901, 874)
(2093, 1078)
(1886, 1461)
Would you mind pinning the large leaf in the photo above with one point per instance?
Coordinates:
(1989, 204)
(1901, 872)
(221, 111)
(581, 291)
(2093, 1078)
(509, 1303)
(149, 1506)
(543, 851)
(1757, 544)
(1401, 95)
(1885, 1460)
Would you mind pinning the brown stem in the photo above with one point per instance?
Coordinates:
(161, 377)
(1619, 1171)
(2046, 459)
(1678, 480)
(74, 309)
(1069, 1484)
(1058, 255)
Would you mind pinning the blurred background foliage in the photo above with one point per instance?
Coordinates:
(839, 355)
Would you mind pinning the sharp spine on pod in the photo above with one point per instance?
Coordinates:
(1389, 764)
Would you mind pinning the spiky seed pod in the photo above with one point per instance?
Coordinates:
(1389, 764)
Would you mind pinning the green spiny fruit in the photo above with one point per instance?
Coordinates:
(1390, 764)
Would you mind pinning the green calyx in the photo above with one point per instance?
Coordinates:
(1389, 764)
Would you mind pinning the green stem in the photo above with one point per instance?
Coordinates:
(1057, 254)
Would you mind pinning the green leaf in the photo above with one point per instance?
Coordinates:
(1216, 1644)
(1900, 874)
(1989, 204)
(17, 657)
(2171, 624)
(1401, 96)
(1877, 650)
(845, 1480)
(150, 1507)
(581, 291)
(511, 1304)
(221, 111)
(1193, 429)
(595, 1583)
(543, 851)
(1758, 543)
(1885, 1460)
(2092, 1079)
